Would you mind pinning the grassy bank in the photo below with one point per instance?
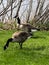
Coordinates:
(35, 50)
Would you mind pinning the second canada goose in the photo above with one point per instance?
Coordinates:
(19, 37)
(25, 26)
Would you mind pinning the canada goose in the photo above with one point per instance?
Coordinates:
(25, 26)
(19, 37)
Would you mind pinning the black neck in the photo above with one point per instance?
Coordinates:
(18, 20)
(7, 43)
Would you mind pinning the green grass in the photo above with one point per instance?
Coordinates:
(35, 50)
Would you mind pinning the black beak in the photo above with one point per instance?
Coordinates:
(15, 16)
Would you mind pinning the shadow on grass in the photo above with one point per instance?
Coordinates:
(37, 48)
(31, 55)
(40, 48)
(34, 53)
(36, 37)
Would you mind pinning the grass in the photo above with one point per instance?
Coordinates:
(35, 50)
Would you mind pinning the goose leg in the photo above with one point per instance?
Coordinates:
(21, 46)
(19, 43)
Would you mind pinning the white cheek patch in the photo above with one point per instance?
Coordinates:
(29, 37)
(33, 30)
(17, 25)
(21, 26)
